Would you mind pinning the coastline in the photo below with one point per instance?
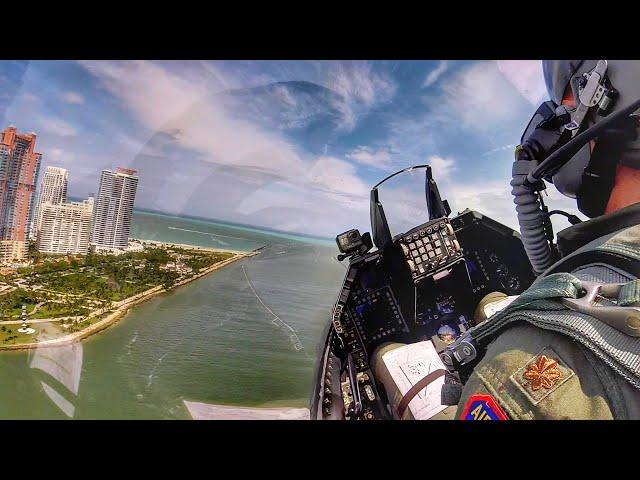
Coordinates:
(122, 308)
(193, 247)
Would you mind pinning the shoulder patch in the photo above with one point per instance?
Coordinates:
(541, 375)
(482, 407)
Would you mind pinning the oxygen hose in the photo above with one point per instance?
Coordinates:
(531, 218)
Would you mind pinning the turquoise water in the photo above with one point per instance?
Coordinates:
(210, 341)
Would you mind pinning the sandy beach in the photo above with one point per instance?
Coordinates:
(188, 247)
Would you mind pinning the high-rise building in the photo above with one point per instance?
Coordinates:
(52, 190)
(54, 185)
(19, 167)
(12, 251)
(65, 227)
(114, 208)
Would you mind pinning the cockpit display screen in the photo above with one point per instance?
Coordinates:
(377, 314)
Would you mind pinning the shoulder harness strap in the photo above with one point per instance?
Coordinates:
(603, 318)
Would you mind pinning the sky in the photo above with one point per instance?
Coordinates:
(288, 145)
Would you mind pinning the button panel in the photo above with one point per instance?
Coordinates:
(430, 246)
(376, 314)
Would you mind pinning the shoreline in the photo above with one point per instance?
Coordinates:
(122, 308)
(186, 246)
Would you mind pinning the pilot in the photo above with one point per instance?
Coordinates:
(569, 362)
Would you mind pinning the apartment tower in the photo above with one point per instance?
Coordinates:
(113, 208)
(19, 167)
(53, 190)
(65, 228)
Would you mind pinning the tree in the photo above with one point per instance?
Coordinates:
(32, 252)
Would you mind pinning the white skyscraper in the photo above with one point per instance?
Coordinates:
(53, 190)
(54, 186)
(65, 227)
(114, 208)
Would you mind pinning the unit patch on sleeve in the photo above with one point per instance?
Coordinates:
(541, 375)
(482, 407)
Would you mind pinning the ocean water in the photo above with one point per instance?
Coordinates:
(244, 335)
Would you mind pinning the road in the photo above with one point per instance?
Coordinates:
(39, 320)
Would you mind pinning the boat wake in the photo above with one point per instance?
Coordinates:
(205, 233)
(277, 321)
(153, 370)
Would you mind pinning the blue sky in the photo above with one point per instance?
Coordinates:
(290, 145)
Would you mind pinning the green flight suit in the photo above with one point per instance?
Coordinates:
(535, 373)
(577, 386)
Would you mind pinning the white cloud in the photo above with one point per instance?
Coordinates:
(357, 81)
(494, 200)
(435, 74)
(166, 102)
(476, 107)
(491, 198)
(331, 200)
(501, 148)
(314, 192)
(337, 177)
(73, 98)
(58, 155)
(29, 97)
(152, 93)
(307, 211)
(480, 100)
(526, 76)
(285, 96)
(380, 158)
(57, 126)
(360, 87)
(481, 97)
(441, 167)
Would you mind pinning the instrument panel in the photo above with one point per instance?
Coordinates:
(425, 286)
(409, 295)
(494, 254)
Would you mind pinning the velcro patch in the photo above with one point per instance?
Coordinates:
(482, 407)
(541, 375)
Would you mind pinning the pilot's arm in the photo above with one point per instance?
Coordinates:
(530, 373)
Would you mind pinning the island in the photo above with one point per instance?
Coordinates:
(64, 298)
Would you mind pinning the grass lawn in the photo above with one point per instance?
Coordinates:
(9, 334)
(55, 310)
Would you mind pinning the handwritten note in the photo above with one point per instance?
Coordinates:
(409, 364)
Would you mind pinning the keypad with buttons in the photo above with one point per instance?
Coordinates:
(430, 246)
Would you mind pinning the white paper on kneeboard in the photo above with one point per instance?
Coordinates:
(410, 364)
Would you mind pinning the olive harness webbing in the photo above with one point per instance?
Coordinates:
(554, 303)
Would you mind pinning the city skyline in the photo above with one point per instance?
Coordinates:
(55, 225)
(289, 146)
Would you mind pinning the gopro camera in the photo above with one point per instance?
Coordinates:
(349, 241)
(352, 243)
